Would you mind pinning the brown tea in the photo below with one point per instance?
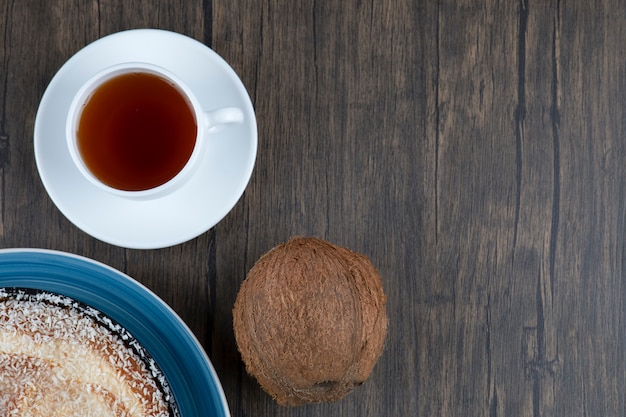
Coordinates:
(136, 131)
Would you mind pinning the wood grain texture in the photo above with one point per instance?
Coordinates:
(473, 150)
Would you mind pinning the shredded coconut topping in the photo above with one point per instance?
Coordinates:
(60, 357)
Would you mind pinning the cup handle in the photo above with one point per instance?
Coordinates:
(222, 116)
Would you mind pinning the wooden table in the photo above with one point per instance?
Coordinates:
(474, 150)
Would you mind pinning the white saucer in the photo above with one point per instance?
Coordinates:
(189, 211)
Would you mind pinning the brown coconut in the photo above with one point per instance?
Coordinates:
(310, 321)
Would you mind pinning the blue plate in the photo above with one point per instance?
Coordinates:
(153, 323)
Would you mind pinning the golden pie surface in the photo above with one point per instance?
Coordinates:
(61, 358)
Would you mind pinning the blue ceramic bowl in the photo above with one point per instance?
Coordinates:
(153, 323)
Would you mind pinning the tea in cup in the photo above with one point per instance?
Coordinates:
(136, 130)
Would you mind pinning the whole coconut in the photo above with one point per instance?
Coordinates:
(310, 321)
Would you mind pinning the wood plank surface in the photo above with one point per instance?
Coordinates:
(475, 151)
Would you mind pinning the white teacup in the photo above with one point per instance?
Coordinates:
(130, 163)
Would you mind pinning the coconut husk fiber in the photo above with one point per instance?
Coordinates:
(310, 321)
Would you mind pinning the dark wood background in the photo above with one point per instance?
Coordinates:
(474, 150)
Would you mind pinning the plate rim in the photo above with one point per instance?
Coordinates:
(124, 278)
